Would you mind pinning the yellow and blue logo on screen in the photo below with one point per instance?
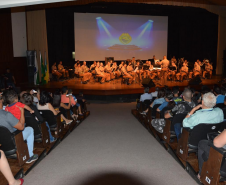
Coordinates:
(125, 38)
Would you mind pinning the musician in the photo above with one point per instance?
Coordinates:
(101, 74)
(121, 65)
(79, 71)
(55, 72)
(172, 71)
(139, 70)
(125, 74)
(164, 65)
(146, 69)
(85, 71)
(108, 70)
(115, 70)
(92, 67)
(76, 64)
(196, 70)
(150, 70)
(153, 60)
(186, 62)
(133, 62)
(173, 60)
(63, 71)
(208, 69)
(183, 72)
(107, 75)
(130, 70)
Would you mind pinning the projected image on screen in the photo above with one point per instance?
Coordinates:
(122, 36)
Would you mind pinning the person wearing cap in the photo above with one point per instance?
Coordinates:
(208, 69)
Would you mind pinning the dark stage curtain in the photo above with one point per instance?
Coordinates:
(192, 32)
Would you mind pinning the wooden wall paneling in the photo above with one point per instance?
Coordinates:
(37, 35)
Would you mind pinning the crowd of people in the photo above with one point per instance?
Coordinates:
(135, 69)
(16, 108)
(195, 107)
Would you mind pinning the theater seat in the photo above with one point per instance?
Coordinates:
(190, 138)
(214, 167)
(13, 145)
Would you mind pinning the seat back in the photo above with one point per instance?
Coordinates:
(153, 111)
(49, 117)
(220, 105)
(32, 122)
(7, 141)
(200, 131)
(178, 118)
(147, 103)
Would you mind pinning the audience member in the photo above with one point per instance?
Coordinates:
(45, 104)
(13, 124)
(220, 97)
(160, 98)
(181, 108)
(6, 171)
(27, 99)
(146, 95)
(10, 80)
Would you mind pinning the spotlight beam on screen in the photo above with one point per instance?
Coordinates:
(102, 25)
(147, 27)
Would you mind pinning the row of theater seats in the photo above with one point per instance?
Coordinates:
(15, 148)
(185, 150)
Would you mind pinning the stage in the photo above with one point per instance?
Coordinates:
(112, 88)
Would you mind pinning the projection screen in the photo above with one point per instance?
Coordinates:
(120, 36)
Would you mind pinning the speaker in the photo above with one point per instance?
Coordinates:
(31, 58)
(195, 81)
(147, 82)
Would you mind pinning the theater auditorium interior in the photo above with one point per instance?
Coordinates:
(112, 92)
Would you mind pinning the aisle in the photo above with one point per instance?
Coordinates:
(109, 148)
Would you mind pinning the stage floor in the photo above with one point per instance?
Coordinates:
(113, 87)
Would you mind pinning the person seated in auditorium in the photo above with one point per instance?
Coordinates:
(159, 123)
(108, 69)
(160, 98)
(183, 107)
(55, 72)
(6, 171)
(183, 72)
(207, 114)
(27, 99)
(66, 99)
(196, 71)
(146, 95)
(17, 121)
(130, 70)
(176, 98)
(172, 71)
(85, 76)
(115, 70)
(10, 80)
(208, 70)
(125, 74)
(92, 67)
(63, 71)
(45, 104)
(204, 148)
(70, 92)
(217, 91)
(168, 98)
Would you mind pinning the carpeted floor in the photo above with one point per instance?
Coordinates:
(109, 148)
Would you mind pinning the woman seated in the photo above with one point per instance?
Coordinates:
(6, 171)
(45, 104)
(27, 99)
